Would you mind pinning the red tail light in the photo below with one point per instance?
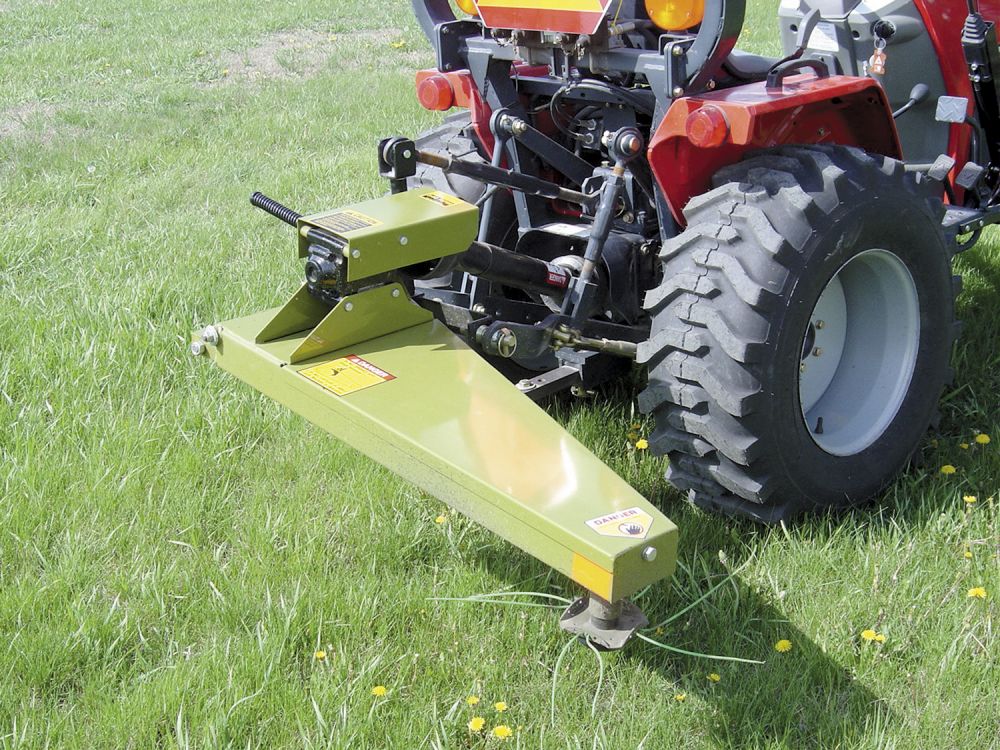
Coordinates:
(707, 127)
(435, 93)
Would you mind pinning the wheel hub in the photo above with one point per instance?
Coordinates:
(858, 352)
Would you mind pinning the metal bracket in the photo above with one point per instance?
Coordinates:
(608, 626)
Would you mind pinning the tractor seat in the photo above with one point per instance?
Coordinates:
(747, 66)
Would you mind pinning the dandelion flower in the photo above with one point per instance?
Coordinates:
(948, 469)
(476, 724)
(714, 677)
(441, 519)
(967, 554)
(500, 706)
(977, 592)
(320, 655)
(379, 691)
(472, 700)
(964, 446)
(879, 638)
(783, 646)
(502, 731)
(641, 444)
(680, 697)
(868, 635)
(970, 499)
(659, 631)
(983, 439)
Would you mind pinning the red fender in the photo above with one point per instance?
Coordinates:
(844, 110)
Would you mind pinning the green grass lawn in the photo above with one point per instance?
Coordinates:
(174, 548)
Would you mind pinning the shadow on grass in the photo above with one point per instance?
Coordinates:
(802, 698)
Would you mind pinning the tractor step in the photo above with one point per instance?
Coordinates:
(421, 402)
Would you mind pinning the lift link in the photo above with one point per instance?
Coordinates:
(623, 145)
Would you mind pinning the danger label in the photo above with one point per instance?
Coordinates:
(346, 375)
(632, 523)
(442, 199)
(346, 221)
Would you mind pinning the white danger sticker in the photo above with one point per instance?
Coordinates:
(632, 523)
(824, 37)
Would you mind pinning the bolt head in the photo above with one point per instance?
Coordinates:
(349, 306)
(404, 240)
(678, 91)
(210, 335)
(198, 348)
(355, 253)
(818, 351)
(649, 554)
(677, 51)
(802, 367)
(820, 325)
(395, 293)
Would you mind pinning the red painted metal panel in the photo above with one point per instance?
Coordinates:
(944, 20)
(837, 110)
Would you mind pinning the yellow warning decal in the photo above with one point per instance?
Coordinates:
(443, 199)
(632, 523)
(346, 375)
(346, 221)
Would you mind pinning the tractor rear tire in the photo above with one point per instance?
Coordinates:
(802, 333)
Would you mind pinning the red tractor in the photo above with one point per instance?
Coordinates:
(768, 239)
(779, 253)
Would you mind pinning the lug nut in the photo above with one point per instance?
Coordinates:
(210, 335)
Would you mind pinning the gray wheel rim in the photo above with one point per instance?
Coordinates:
(859, 352)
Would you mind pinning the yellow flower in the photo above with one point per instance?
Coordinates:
(441, 519)
(983, 439)
(472, 700)
(680, 697)
(948, 469)
(868, 635)
(399, 44)
(476, 724)
(659, 631)
(977, 592)
(641, 444)
(964, 446)
(880, 638)
(969, 498)
(379, 691)
(967, 554)
(502, 731)
(714, 677)
(783, 646)
(320, 655)
(500, 706)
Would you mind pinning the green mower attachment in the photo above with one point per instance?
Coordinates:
(353, 353)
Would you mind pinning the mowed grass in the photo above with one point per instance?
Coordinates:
(174, 548)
